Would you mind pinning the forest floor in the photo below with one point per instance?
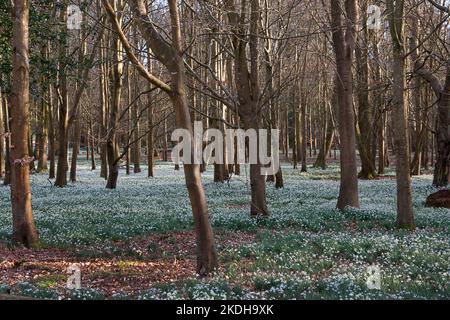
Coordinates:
(137, 241)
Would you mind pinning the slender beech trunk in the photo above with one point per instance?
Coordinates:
(381, 142)
(2, 135)
(304, 132)
(111, 142)
(75, 149)
(128, 137)
(31, 150)
(42, 136)
(165, 142)
(150, 129)
(77, 115)
(325, 148)
(150, 144)
(92, 137)
(62, 167)
(378, 101)
(405, 217)
(419, 131)
(51, 134)
(296, 129)
(102, 113)
(136, 147)
(42, 139)
(7, 124)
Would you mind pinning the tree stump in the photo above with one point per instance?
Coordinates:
(440, 199)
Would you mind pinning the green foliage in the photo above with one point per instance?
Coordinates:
(44, 30)
(29, 290)
(5, 44)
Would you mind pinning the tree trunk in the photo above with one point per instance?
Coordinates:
(24, 230)
(258, 205)
(51, 134)
(103, 107)
(418, 132)
(75, 150)
(128, 135)
(62, 167)
(207, 257)
(43, 135)
(91, 137)
(150, 147)
(381, 142)
(136, 147)
(111, 143)
(2, 134)
(31, 151)
(441, 169)
(405, 217)
(7, 124)
(296, 129)
(343, 47)
(248, 92)
(150, 129)
(172, 57)
(365, 110)
(325, 148)
(304, 132)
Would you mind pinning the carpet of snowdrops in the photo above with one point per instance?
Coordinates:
(305, 249)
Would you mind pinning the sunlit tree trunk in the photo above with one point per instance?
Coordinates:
(7, 125)
(2, 135)
(24, 230)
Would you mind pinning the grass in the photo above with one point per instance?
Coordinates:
(305, 250)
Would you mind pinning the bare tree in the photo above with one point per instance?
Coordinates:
(171, 56)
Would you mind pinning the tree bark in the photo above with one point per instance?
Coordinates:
(405, 217)
(325, 148)
(111, 141)
(24, 230)
(365, 110)
(43, 134)
(344, 47)
(7, 124)
(62, 166)
(2, 135)
(103, 107)
(248, 92)
(75, 149)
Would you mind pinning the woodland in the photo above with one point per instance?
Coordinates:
(94, 206)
